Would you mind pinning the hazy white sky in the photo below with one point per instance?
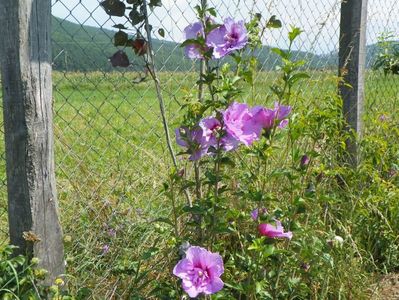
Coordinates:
(318, 18)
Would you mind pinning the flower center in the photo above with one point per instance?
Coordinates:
(232, 37)
(200, 277)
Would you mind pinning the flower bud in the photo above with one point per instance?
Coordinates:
(305, 160)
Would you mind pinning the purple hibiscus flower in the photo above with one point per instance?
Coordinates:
(225, 39)
(265, 117)
(193, 31)
(272, 231)
(281, 114)
(200, 272)
(240, 123)
(194, 140)
(211, 127)
(268, 118)
(228, 142)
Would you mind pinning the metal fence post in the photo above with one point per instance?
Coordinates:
(27, 106)
(352, 59)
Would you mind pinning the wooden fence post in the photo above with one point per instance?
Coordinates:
(352, 59)
(25, 55)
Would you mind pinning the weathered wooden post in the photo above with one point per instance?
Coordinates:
(352, 59)
(25, 56)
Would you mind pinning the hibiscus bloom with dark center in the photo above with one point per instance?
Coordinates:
(227, 38)
(200, 272)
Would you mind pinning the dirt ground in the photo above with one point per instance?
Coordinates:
(387, 288)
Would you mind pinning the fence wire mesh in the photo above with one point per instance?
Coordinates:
(110, 149)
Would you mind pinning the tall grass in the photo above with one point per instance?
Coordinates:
(111, 163)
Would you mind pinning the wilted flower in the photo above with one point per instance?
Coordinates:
(105, 249)
(119, 59)
(183, 248)
(225, 39)
(140, 46)
(305, 266)
(180, 173)
(256, 211)
(272, 231)
(200, 272)
(193, 31)
(337, 241)
(240, 123)
(111, 232)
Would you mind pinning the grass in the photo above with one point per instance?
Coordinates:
(111, 161)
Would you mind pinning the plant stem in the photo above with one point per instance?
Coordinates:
(172, 196)
(152, 70)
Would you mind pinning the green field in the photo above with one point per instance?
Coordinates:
(111, 160)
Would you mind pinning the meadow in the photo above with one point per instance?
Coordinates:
(112, 161)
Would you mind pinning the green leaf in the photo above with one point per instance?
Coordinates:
(161, 32)
(84, 293)
(281, 53)
(120, 38)
(227, 161)
(294, 33)
(114, 7)
(136, 17)
(150, 253)
(268, 250)
(154, 3)
(273, 22)
(199, 41)
(163, 220)
(212, 11)
(120, 26)
(298, 76)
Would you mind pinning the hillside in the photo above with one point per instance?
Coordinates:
(86, 48)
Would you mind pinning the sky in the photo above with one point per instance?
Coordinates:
(318, 18)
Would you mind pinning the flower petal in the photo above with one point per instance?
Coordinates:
(214, 286)
(191, 289)
(182, 267)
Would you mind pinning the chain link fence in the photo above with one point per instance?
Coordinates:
(110, 148)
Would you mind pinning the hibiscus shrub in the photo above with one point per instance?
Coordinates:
(262, 206)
